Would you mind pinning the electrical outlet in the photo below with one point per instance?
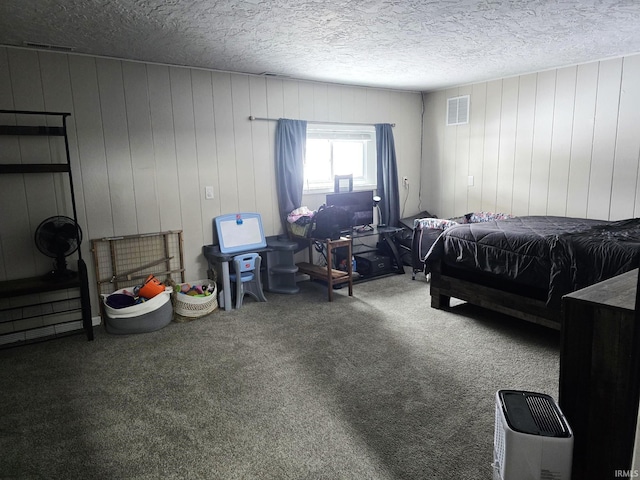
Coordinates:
(208, 193)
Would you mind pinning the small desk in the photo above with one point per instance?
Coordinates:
(328, 274)
(277, 264)
(213, 255)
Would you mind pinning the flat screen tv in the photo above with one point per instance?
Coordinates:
(358, 204)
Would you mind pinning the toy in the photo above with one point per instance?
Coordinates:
(195, 290)
(151, 287)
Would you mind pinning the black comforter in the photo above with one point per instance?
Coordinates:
(560, 254)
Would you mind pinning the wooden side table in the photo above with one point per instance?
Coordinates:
(328, 274)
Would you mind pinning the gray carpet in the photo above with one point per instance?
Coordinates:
(378, 386)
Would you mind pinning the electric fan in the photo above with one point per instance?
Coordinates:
(58, 237)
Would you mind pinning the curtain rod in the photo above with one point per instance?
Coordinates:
(251, 117)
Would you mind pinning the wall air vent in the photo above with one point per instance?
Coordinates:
(458, 110)
(46, 46)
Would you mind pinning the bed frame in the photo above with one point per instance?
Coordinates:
(499, 296)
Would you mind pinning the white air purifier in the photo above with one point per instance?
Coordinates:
(532, 439)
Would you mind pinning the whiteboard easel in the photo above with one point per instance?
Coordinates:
(240, 232)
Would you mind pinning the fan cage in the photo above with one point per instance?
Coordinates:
(59, 237)
(42, 236)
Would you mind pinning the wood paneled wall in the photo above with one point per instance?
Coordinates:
(560, 142)
(146, 139)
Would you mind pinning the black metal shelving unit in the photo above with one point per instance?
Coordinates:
(26, 286)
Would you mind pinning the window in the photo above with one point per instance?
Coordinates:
(339, 150)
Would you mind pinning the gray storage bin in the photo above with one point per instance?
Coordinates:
(153, 315)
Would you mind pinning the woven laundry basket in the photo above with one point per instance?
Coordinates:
(187, 307)
(298, 231)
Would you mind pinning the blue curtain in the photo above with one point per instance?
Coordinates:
(291, 143)
(387, 175)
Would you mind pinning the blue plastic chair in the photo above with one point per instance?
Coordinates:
(247, 277)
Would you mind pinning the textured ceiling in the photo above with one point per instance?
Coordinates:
(402, 44)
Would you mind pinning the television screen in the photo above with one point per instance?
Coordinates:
(358, 204)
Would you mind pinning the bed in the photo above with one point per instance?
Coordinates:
(427, 229)
(523, 266)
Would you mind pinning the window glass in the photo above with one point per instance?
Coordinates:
(339, 150)
(348, 158)
(317, 165)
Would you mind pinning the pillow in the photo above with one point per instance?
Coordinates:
(480, 217)
(462, 219)
(434, 223)
(409, 222)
